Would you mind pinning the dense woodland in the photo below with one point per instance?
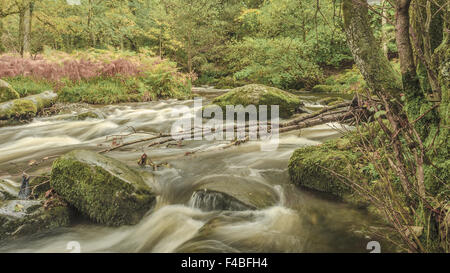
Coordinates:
(287, 43)
(393, 54)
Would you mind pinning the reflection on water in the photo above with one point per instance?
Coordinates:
(301, 221)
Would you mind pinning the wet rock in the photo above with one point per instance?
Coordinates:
(26, 108)
(9, 189)
(7, 92)
(208, 200)
(25, 189)
(226, 193)
(88, 115)
(257, 94)
(104, 189)
(26, 217)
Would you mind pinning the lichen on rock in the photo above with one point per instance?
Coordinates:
(104, 189)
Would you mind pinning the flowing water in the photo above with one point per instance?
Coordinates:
(300, 221)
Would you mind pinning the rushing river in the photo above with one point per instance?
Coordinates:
(301, 221)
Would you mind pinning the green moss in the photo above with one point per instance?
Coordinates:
(7, 92)
(18, 109)
(308, 168)
(20, 218)
(24, 109)
(256, 94)
(321, 88)
(102, 188)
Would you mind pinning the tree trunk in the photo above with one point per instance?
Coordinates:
(2, 48)
(411, 84)
(374, 66)
(21, 31)
(27, 30)
(383, 30)
(189, 53)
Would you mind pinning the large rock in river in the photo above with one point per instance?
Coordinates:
(229, 193)
(102, 188)
(257, 94)
(7, 92)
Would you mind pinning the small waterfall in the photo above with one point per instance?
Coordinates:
(208, 200)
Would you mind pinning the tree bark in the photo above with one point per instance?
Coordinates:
(27, 30)
(368, 55)
(383, 31)
(410, 80)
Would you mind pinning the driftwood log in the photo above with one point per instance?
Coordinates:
(342, 113)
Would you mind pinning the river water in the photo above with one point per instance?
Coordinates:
(301, 221)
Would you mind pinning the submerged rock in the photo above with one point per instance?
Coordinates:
(257, 94)
(7, 92)
(26, 217)
(88, 115)
(26, 108)
(208, 200)
(226, 193)
(104, 189)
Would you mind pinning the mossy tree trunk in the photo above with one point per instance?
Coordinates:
(368, 55)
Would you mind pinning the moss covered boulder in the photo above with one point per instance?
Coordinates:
(26, 217)
(257, 94)
(104, 189)
(310, 167)
(26, 108)
(7, 92)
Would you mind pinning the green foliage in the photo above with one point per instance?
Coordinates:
(278, 62)
(26, 86)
